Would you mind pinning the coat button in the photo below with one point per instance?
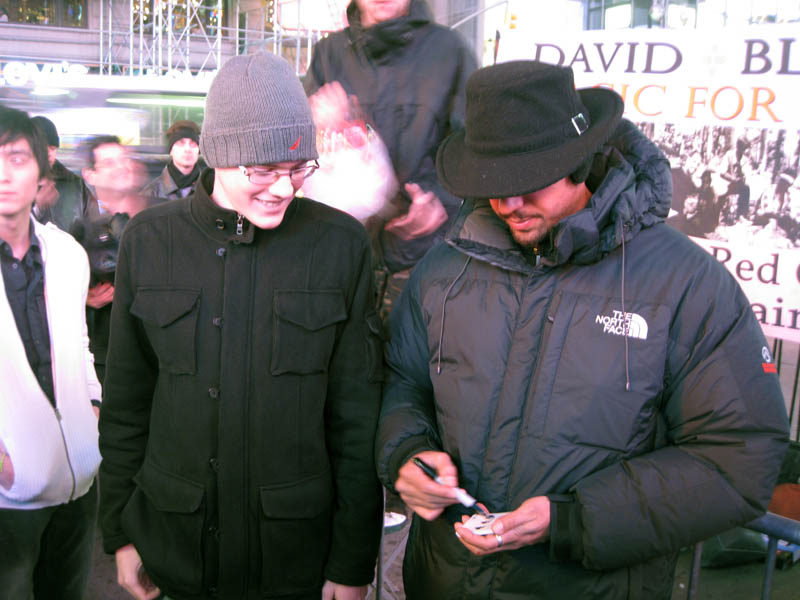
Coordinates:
(220, 251)
(212, 591)
(217, 321)
(214, 464)
(213, 392)
(220, 224)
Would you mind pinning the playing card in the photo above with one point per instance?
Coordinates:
(482, 525)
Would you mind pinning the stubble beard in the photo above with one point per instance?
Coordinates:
(532, 237)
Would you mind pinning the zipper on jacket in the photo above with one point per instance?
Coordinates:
(544, 338)
(66, 452)
(239, 224)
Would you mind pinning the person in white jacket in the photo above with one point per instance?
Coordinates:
(49, 393)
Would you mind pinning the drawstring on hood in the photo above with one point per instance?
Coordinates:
(624, 317)
(444, 303)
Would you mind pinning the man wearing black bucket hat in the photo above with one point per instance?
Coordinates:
(569, 360)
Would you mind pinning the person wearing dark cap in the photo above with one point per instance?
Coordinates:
(179, 177)
(63, 196)
(243, 375)
(581, 368)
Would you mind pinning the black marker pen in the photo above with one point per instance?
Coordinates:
(461, 495)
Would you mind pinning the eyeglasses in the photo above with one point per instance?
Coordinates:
(270, 176)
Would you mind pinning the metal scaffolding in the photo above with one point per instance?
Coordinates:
(160, 36)
(171, 37)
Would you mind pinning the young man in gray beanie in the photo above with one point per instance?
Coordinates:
(243, 373)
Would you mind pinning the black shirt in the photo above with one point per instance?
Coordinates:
(24, 283)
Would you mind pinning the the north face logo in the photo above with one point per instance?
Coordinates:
(620, 323)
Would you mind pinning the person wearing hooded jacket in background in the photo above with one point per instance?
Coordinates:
(408, 75)
(568, 358)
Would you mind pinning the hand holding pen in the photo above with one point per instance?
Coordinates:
(429, 495)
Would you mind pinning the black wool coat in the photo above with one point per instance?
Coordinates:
(241, 400)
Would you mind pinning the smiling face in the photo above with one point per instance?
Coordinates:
(532, 216)
(377, 11)
(19, 179)
(114, 170)
(263, 204)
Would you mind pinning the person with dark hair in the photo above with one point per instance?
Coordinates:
(594, 377)
(49, 394)
(64, 196)
(179, 177)
(243, 378)
(407, 74)
(116, 179)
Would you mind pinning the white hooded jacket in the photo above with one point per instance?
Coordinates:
(53, 449)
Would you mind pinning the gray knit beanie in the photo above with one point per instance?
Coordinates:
(257, 114)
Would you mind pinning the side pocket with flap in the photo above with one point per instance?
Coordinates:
(165, 519)
(295, 534)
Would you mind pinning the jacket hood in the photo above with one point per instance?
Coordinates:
(383, 37)
(632, 186)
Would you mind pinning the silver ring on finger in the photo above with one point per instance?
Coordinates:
(499, 539)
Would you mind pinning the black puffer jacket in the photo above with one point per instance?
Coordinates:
(519, 372)
(409, 76)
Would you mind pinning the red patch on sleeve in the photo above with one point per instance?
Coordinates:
(296, 144)
(769, 367)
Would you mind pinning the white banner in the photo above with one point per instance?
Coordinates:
(727, 77)
(723, 108)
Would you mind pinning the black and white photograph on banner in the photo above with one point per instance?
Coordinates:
(733, 184)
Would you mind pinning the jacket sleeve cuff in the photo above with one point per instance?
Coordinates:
(404, 452)
(566, 529)
(351, 578)
(112, 543)
(96, 403)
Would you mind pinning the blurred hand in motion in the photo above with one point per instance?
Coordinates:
(47, 195)
(331, 107)
(100, 295)
(425, 215)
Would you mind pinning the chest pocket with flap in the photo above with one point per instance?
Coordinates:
(169, 316)
(305, 329)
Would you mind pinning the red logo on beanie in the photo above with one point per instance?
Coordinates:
(296, 144)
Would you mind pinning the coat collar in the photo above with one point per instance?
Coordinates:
(382, 38)
(221, 223)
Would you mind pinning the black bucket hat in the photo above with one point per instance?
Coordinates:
(526, 128)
